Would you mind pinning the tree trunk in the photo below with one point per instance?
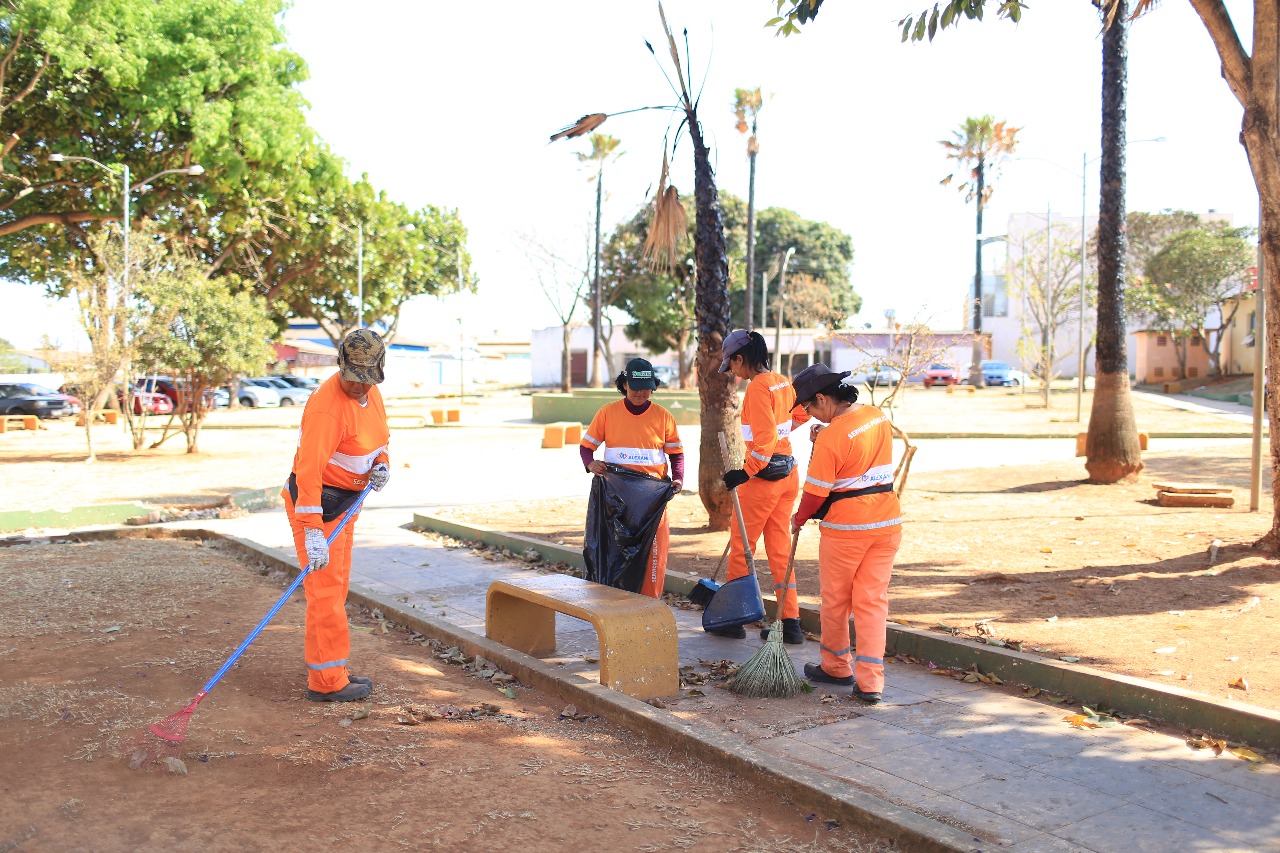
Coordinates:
(711, 312)
(751, 246)
(975, 370)
(1111, 449)
(566, 363)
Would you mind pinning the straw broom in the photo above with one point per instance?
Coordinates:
(770, 672)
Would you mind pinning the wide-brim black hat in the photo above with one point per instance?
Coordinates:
(814, 379)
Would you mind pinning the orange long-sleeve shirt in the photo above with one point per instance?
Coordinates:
(338, 443)
(767, 419)
(855, 452)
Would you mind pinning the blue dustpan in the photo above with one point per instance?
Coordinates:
(736, 602)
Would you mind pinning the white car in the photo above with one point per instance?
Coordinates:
(257, 396)
(290, 395)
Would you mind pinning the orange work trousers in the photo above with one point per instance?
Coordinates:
(327, 641)
(655, 573)
(766, 508)
(854, 576)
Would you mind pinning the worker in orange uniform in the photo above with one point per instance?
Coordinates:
(638, 434)
(767, 482)
(342, 447)
(849, 487)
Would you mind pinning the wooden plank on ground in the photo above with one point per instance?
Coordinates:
(1191, 488)
(1185, 500)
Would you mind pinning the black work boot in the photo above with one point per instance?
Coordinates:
(353, 692)
(815, 672)
(869, 698)
(792, 633)
(360, 679)
(733, 632)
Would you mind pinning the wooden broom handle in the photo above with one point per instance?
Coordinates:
(737, 507)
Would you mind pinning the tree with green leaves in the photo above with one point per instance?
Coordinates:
(211, 336)
(979, 147)
(9, 361)
(1048, 283)
(822, 251)
(747, 104)
(1192, 278)
(156, 85)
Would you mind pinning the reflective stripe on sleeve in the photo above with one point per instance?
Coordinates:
(673, 447)
(303, 510)
(356, 464)
(760, 456)
(590, 439)
(822, 484)
(634, 456)
(747, 434)
(873, 526)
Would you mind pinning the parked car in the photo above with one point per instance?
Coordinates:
(151, 402)
(876, 376)
(941, 374)
(999, 373)
(665, 375)
(72, 401)
(20, 400)
(308, 382)
(221, 398)
(174, 389)
(256, 396)
(290, 394)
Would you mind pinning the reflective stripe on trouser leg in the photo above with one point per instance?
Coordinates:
(871, 610)
(327, 640)
(766, 508)
(655, 568)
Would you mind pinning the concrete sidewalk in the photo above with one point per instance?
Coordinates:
(1007, 772)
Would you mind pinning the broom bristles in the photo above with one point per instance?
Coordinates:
(769, 673)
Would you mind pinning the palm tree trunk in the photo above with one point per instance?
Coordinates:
(711, 312)
(751, 246)
(1111, 448)
(975, 369)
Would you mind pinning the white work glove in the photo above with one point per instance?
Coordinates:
(379, 475)
(317, 548)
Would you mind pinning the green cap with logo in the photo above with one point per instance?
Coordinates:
(639, 375)
(362, 357)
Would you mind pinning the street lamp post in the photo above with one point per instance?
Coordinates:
(359, 229)
(125, 194)
(782, 286)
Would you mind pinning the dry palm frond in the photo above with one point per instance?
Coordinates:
(675, 55)
(584, 125)
(669, 224)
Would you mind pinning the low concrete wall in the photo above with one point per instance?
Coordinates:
(581, 406)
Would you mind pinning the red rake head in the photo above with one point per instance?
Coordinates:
(159, 746)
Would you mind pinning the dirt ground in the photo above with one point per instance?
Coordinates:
(100, 640)
(1051, 565)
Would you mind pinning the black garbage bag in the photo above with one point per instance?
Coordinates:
(623, 514)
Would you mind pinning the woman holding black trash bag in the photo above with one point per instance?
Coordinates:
(849, 488)
(639, 434)
(767, 482)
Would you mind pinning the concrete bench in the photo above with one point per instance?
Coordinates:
(104, 416)
(637, 634)
(8, 422)
(561, 434)
(961, 389)
(446, 415)
(1082, 439)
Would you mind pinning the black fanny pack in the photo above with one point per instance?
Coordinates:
(333, 501)
(852, 493)
(780, 465)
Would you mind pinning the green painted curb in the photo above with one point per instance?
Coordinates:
(75, 517)
(1084, 685)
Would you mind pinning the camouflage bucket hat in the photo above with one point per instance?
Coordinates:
(362, 356)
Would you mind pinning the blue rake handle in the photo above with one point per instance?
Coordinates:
(293, 587)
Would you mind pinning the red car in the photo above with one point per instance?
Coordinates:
(148, 401)
(941, 374)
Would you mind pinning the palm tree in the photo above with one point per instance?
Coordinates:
(715, 389)
(980, 145)
(746, 107)
(1111, 449)
(602, 148)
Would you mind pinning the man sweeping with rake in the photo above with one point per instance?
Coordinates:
(849, 488)
(342, 447)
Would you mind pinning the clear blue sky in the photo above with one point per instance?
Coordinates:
(452, 105)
